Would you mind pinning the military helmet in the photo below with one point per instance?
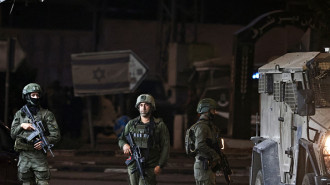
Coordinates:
(205, 105)
(145, 98)
(30, 88)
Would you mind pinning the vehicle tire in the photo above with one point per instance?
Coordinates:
(308, 179)
(259, 179)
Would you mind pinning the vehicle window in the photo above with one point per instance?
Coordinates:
(319, 78)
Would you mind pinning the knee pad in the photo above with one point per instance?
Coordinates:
(42, 182)
(42, 176)
(26, 183)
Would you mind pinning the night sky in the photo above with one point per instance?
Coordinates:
(80, 14)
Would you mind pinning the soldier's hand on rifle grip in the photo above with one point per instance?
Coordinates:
(127, 149)
(38, 145)
(27, 126)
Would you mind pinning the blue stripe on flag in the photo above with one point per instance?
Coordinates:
(102, 86)
(103, 61)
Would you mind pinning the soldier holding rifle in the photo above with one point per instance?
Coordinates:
(33, 143)
(204, 143)
(146, 139)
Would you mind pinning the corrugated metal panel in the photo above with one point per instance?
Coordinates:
(261, 83)
(290, 96)
(277, 91)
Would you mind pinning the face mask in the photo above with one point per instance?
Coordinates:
(33, 101)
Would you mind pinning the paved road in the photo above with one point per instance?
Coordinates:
(105, 165)
(81, 182)
(84, 178)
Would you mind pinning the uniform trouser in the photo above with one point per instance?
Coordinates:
(136, 179)
(33, 168)
(202, 176)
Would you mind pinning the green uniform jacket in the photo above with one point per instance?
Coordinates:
(20, 135)
(159, 152)
(204, 129)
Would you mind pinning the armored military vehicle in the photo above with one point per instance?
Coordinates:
(294, 142)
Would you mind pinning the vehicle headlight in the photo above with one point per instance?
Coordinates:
(326, 152)
(327, 145)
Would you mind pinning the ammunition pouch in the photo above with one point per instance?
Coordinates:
(205, 161)
(141, 136)
(22, 145)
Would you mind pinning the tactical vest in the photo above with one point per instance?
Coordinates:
(190, 137)
(141, 136)
(20, 143)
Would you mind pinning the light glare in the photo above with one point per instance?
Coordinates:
(255, 75)
(327, 142)
(326, 153)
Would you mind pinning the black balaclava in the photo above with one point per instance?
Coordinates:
(33, 104)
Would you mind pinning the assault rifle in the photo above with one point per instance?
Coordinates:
(223, 165)
(39, 130)
(136, 156)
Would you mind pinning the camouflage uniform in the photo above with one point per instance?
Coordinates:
(32, 164)
(155, 149)
(205, 131)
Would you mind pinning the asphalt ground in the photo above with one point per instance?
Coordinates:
(104, 164)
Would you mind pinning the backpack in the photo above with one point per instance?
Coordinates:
(190, 141)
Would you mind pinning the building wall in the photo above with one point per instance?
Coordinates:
(143, 37)
(49, 50)
(138, 36)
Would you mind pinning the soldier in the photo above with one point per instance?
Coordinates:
(151, 136)
(32, 165)
(205, 135)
